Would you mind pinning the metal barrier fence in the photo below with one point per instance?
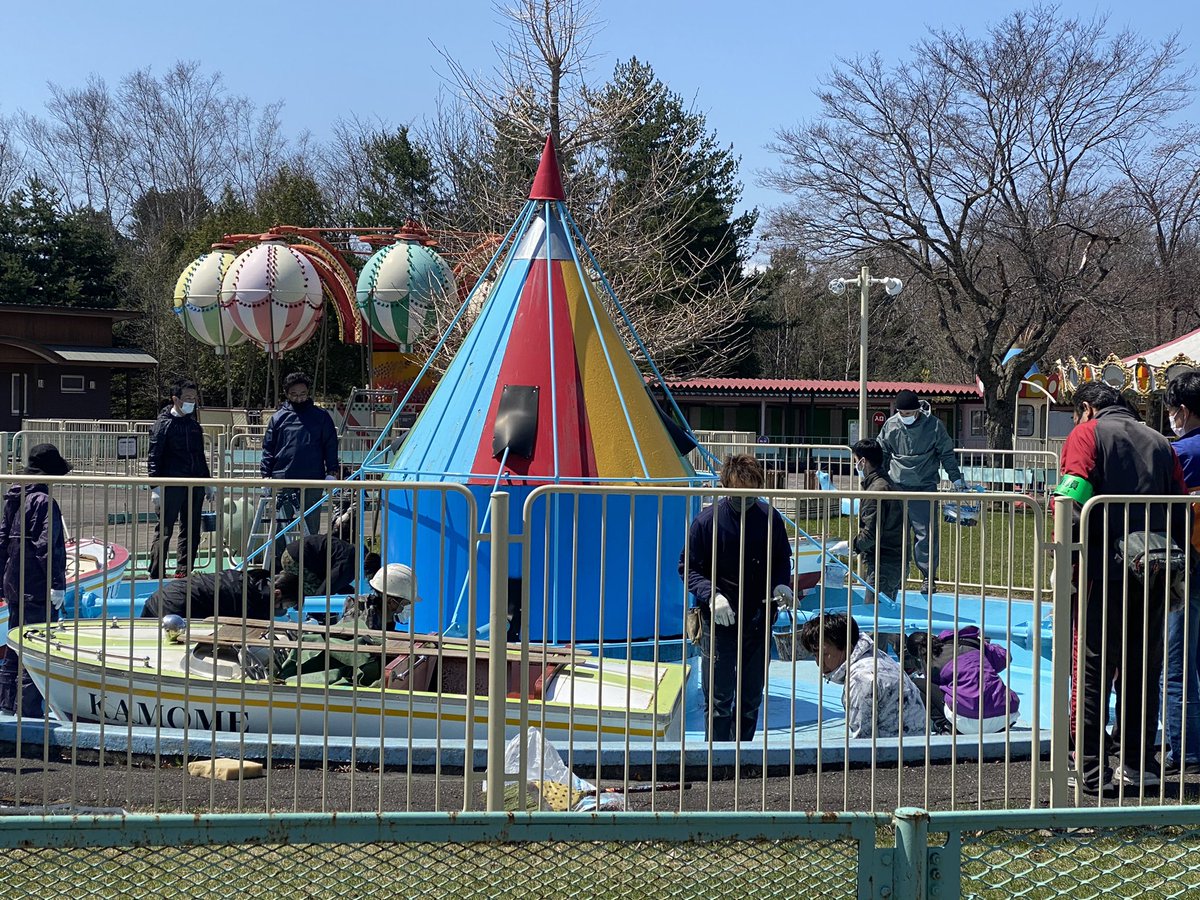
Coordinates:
(579, 590)
(909, 854)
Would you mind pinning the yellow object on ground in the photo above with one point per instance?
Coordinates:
(225, 769)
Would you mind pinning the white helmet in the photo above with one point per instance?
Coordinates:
(396, 580)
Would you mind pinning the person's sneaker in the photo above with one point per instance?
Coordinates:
(1172, 768)
(1146, 778)
(1095, 788)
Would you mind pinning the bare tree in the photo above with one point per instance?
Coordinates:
(679, 293)
(12, 160)
(986, 165)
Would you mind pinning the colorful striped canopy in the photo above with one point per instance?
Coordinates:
(544, 333)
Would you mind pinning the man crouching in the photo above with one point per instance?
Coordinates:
(877, 694)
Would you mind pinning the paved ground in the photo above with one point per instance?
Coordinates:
(143, 787)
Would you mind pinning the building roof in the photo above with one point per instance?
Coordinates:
(824, 386)
(116, 315)
(120, 357)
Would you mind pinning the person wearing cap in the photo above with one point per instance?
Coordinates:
(33, 566)
(300, 442)
(340, 656)
(915, 445)
(177, 451)
(393, 592)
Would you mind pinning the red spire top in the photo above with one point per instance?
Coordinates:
(547, 183)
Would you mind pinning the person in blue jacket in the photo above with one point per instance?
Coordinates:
(33, 568)
(1181, 706)
(738, 565)
(300, 442)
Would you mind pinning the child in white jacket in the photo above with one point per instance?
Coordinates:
(878, 696)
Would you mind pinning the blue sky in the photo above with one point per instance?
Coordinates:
(750, 66)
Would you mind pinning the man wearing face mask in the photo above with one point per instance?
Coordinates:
(915, 444)
(880, 538)
(300, 442)
(737, 565)
(177, 451)
(1181, 705)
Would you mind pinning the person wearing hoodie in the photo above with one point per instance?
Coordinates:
(177, 451)
(967, 692)
(915, 444)
(880, 538)
(33, 568)
(737, 563)
(880, 700)
(300, 442)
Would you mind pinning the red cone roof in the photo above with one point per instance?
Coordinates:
(547, 183)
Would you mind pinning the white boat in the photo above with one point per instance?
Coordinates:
(132, 673)
(92, 565)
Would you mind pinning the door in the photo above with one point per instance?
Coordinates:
(18, 405)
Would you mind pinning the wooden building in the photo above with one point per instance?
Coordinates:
(58, 363)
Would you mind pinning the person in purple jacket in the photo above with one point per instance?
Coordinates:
(33, 568)
(966, 669)
(1181, 706)
(737, 563)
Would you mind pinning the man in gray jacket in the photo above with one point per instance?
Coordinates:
(915, 444)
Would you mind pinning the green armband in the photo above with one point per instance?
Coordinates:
(1074, 488)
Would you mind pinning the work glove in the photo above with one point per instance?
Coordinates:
(155, 499)
(841, 548)
(58, 598)
(266, 491)
(960, 484)
(783, 594)
(210, 493)
(722, 612)
(331, 478)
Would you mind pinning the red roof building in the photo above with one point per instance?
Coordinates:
(816, 410)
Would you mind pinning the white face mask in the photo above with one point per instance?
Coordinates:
(1177, 429)
(401, 617)
(908, 420)
(188, 407)
(858, 467)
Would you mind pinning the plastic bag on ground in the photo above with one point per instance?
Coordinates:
(544, 768)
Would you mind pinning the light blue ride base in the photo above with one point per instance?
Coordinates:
(802, 715)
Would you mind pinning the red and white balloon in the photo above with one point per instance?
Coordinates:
(273, 294)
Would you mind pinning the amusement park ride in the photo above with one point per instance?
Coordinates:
(271, 289)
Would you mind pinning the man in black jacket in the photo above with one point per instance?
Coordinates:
(177, 451)
(880, 538)
(250, 594)
(737, 564)
(300, 442)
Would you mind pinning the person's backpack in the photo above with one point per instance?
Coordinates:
(1152, 559)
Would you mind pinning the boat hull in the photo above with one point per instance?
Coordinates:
(112, 673)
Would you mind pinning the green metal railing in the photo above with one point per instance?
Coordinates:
(910, 854)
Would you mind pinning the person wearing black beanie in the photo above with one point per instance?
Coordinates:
(915, 444)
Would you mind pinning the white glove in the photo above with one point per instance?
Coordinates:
(960, 485)
(722, 612)
(784, 594)
(58, 598)
(841, 548)
(266, 492)
(210, 493)
(155, 499)
(331, 478)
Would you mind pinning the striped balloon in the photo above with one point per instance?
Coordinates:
(197, 302)
(399, 288)
(274, 295)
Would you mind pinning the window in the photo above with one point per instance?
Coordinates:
(71, 384)
(976, 422)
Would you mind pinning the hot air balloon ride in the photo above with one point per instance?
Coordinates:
(399, 288)
(274, 295)
(197, 301)
(543, 391)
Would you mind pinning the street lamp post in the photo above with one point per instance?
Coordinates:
(837, 287)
